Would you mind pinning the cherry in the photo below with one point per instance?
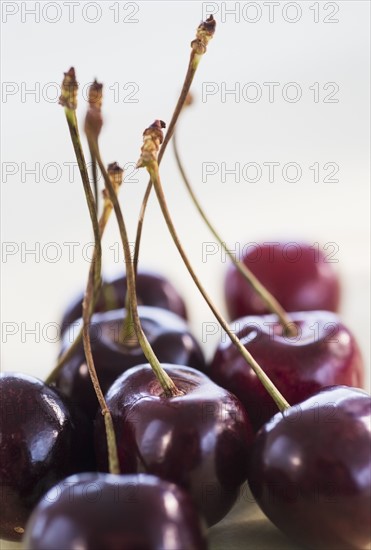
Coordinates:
(42, 440)
(199, 440)
(153, 290)
(298, 275)
(323, 353)
(310, 470)
(167, 333)
(114, 512)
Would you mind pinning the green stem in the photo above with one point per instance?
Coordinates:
(270, 301)
(128, 335)
(95, 180)
(91, 289)
(276, 395)
(166, 382)
(113, 459)
(191, 71)
(75, 136)
(70, 351)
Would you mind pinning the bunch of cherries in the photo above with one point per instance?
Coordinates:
(134, 442)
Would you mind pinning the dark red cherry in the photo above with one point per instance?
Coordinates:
(103, 511)
(168, 334)
(42, 441)
(298, 275)
(200, 440)
(323, 353)
(310, 470)
(152, 290)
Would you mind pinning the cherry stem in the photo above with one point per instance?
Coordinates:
(91, 289)
(270, 301)
(128, 335)
(70, 351)
(75, 136)
(170, 389)
(276, 395)
(95, 180)
(204, 34)
(183, 95)
(113, 459)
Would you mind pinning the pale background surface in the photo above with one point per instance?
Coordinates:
(153, 54)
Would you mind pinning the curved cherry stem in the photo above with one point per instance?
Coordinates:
(93, 126)
(204, 34)
(95, 180)
(276, 395)
(270, 301)
(68, 354)
(75, 137)
(166, 382)
(113, 460)
(69, 101)
(183, 95)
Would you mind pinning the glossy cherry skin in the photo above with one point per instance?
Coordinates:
(167, 333)
(200, 440)
(323, 353)
(42, 441)
(299, 276)
(310, 470)
(152, 290)
(104, 511)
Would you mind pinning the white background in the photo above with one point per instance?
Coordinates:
(153, 54)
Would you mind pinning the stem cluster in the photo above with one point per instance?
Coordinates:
(69, 101)
(152, 151)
